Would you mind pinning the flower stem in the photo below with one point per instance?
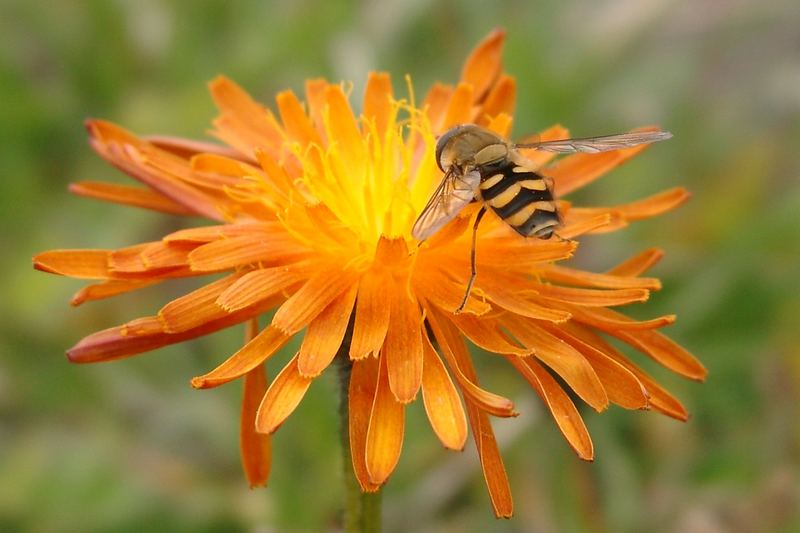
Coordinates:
(362, 510)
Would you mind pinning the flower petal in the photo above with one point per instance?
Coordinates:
(277, 184)
(576, 226)
(500, 124)
(216, 172)
(297, 124)
(378, 101)
(446, 293)
(197, 307)
(315, 98)
(649, 207)
(342, 126)
(436, 103)
(482, 67)
(565, 360)
(262, 347)
(128, 195)
(372, 315)
(255, 448)
(591, 297)
(361, 396)
(325, 334)
(137, 336)
(187, 148)
(402, 348)
(205, 234)
(82, 264)
(583, 278)
(491, 403)
(655, 344)
(282, 398)
(567, 417)
(610, 321)
(508, 292)
(145, 162)
(442, 403)
(386, 428)
(112, 343)
(129, 262)
(133, 263)
(459, 109)
(500, 99)
(660, 399)
(256, 286)
(243, 250)
(494, 472)
(522, 254)
(107, 289)
(162, 254)
(487, 333)
(243, 122)
(621, 385)
(638, 264)
(314, 296)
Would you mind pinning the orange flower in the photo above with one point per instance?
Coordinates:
(314, 208)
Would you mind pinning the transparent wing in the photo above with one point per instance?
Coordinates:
(450, 197)
(605, 143)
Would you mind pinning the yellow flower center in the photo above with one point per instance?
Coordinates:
(365, 179)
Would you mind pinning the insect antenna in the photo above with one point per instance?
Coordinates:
(472, 261)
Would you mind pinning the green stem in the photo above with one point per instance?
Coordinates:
(362, 510)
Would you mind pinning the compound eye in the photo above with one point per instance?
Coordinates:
(441, 144)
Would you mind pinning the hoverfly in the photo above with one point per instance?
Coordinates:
(480, 165)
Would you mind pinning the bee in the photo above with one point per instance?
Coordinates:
(479, 165)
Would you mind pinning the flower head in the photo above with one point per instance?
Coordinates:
(313, 208)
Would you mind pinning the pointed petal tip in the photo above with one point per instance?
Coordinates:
(267, 429)
(587, 454)
(202, 382)
(378, 74)
(89, 123)
(673, 409)
(82, 353)
(216, 81)
(95, 128)
(700, 375)
(37, 265)
(497, 33)
(683, 416)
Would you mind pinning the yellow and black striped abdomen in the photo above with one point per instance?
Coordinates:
(521, 198)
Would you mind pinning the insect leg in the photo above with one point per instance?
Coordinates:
(473, 265)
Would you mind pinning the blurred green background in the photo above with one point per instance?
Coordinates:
(129, 446)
